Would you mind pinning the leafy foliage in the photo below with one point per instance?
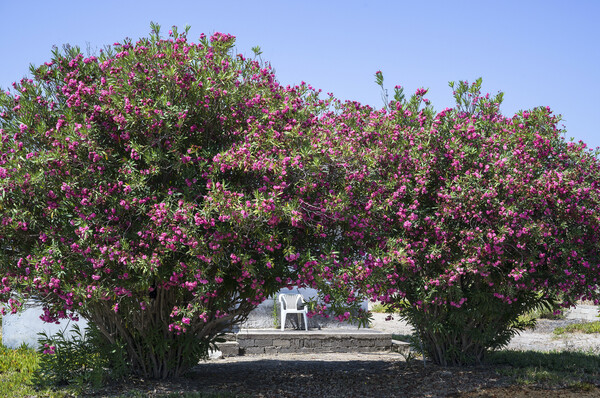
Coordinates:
(83, 359)
(17, 371)
(161, 190)
(164, 189)
(469, 219)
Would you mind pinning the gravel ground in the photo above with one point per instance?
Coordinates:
(539, 339)
(542, 338)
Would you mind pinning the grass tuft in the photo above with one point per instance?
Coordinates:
(586, 327)
(381, 309)
(17, 368)
(541, 313)
(555, 369)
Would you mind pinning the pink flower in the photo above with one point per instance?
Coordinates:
(49, 349)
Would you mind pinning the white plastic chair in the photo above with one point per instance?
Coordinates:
(290, 305)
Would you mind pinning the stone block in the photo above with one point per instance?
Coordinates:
(229, 337)
(254, 350)
(400, 346)
(382, 343)
(282, 343)
(339, 349)
(245, 342)
(271, 350)
(229, 349)
(263, 342)
(287, 350)
(313, 343)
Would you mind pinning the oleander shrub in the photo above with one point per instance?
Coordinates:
(469, 219)
(162, 190)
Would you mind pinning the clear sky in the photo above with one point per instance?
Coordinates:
(538, 52)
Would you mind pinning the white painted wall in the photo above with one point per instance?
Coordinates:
(23, 328)
(262, 316)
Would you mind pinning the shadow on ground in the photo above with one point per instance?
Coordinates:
(354, 378)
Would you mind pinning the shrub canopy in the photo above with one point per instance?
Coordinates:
(471, 218)
(162, 190)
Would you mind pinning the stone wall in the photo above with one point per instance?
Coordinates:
(299, 342)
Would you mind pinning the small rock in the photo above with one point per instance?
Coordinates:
(215, 354)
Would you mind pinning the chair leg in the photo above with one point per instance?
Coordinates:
(283, 314)
(305, 322)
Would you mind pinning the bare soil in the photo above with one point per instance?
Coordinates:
(347, 375)
(368, 374)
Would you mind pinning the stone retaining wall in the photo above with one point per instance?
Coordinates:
(273, 343)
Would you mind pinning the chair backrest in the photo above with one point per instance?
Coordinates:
(290, 301)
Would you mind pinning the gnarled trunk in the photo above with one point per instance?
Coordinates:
(153, 351)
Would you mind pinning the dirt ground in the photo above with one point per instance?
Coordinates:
(370, 374)
(361, 374)
(345, 375)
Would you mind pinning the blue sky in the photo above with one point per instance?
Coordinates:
(537, 52)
